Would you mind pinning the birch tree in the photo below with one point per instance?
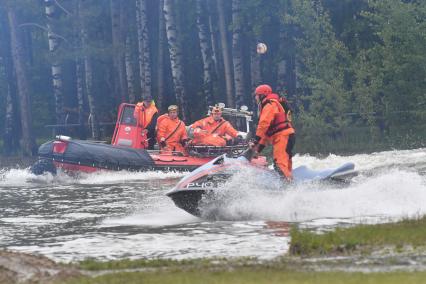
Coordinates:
(160, 57)
(175, 51)
(88, 73)
(206, 51)
(143, 44)
(56, 67)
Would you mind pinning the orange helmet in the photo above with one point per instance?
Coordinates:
(263, 90)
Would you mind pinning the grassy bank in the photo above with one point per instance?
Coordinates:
(361, 238)
(93, 265)
(254, 275)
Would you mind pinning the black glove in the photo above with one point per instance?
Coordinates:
(239, 139)
(163, 144)
(260, 148)
(185, 142)
(229, 142)
(255, 140)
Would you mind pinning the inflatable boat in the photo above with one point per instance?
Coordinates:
(127, 149)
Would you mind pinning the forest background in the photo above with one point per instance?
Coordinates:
(353, 70)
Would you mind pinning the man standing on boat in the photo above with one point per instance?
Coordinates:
(275, 127)
(146, 114)
(213, 130)
(171, 131)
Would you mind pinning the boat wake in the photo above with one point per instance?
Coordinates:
(24, 177)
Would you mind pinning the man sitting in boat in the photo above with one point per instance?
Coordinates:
(171, 131)
(213, 130)
(146, 114)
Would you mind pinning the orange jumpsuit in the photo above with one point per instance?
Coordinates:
(147, 120)
(282, 140)
(208, 132)
(173, 130)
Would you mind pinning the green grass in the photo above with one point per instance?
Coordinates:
(361, 238)
(254, 275)
(93, 265)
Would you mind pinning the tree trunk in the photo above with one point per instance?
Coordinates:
(119, 73)
(255, 75)
(282, 85)
(88, 77)
(160, 62)
(237, 53)
(204, 38)
(56, 68)
(8, 147)
(80, 97)
(130, 77)
(225, 54)
(10, 139)
(218, 71)
(175, 50)
(143, 44)
(28, 143)
(88, 74)
(213, 43)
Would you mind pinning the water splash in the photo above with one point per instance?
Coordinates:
(24, 177)
(392, 193)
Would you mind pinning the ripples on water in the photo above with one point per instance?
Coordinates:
(123, 214)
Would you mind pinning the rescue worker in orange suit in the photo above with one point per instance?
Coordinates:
(213, 130)
(146, 114)
(171, 131)
(275, 127)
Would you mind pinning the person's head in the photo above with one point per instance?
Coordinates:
(261, 92)
(147, 100)
(216, 113)
(173, 111)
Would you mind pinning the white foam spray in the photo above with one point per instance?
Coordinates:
(393, 194)
(24, 177)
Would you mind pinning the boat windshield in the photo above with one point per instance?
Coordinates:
(238, 122)
(127, 118)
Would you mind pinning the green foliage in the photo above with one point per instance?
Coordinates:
(322, 60)
(349, 64)
(389, 75)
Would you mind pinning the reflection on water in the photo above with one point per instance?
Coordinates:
(116, 215)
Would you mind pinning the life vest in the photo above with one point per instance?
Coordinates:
(160, 119)
(282, 119)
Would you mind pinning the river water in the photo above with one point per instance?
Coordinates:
(113, 215)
